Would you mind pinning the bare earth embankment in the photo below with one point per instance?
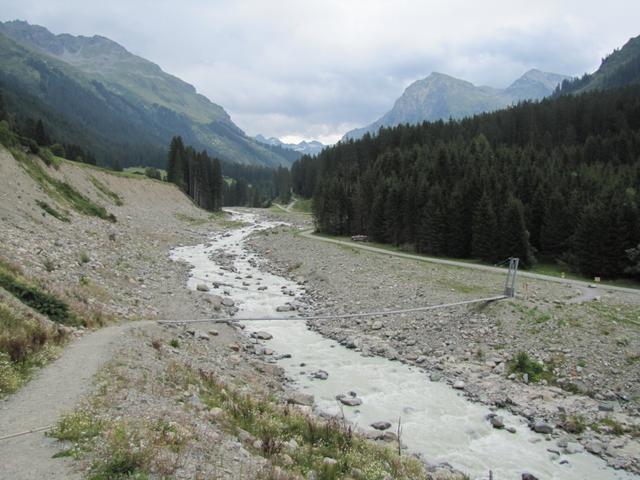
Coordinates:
(589, 390)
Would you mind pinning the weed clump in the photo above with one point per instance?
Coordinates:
(25, 343)
(523, 365)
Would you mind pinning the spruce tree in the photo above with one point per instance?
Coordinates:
(515, 237)
(176, 162)
(484, 231)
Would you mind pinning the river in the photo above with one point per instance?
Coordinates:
(437, 421)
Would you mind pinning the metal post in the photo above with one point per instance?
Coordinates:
(510, 283)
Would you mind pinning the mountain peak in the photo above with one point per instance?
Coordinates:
(440, 97)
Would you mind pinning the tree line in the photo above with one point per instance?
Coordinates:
(555, 180)
(32, 133)
(212, 183)
(196, 174)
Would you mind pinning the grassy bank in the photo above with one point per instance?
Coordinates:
(293, 442)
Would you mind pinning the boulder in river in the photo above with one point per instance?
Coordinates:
(382, 425)
(263, 335)
(284, 308)
(349, 401)
(320, 375)
(541, 426)
(497, 422)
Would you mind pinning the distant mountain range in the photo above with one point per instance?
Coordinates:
(619, 69)
(305, 148)
(440, 97)
(93, 92)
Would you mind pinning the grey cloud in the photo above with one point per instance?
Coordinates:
(320, 67)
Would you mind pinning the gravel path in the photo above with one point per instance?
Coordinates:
(486, 268)
(55, 390)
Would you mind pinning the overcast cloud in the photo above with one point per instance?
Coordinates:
(317, 68)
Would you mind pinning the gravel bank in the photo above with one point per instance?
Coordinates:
(588, 346)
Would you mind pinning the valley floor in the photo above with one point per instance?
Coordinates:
(590, 392)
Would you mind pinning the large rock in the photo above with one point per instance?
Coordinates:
(285, 308)
(540, 426)
(263, 335)
(497, 422)
(459, 385)
(320, 375)
(382, 425)
(201, 287)
(350, 401)
(299, 398)
(227, 302)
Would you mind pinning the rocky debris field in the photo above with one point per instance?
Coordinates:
(578, 384)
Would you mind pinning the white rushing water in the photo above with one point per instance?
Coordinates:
(437, 421)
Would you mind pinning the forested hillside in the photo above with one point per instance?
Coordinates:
(558, 179)
(619, 69)
(92, 92)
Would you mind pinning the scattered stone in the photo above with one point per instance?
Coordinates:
(459, 385)
(227, 302)
(201, 287)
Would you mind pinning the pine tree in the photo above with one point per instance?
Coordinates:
(515, 237)
(484, 231)
(557, 225)
(176, 162)
(40, 134)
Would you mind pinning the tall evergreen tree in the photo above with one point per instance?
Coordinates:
(484, 231)
(515, 237)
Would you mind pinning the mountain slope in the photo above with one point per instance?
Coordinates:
(304, 148)
(620, 69)
(440, 97)
(146, 101)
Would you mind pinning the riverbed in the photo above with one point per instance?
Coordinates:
(437, 421)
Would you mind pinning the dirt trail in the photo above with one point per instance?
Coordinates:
(54, 390)
(475, 266)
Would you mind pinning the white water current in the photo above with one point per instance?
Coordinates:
(437, 421)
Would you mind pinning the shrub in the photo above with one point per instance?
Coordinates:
(84, 258)
(523, 364)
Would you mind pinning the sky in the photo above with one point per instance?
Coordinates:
(314, 69)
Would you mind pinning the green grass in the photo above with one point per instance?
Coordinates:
(52, 211)
(556, 270)
(615, 314)
(303, 205)
(274, 424)
(113, 196)
(532, 315)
